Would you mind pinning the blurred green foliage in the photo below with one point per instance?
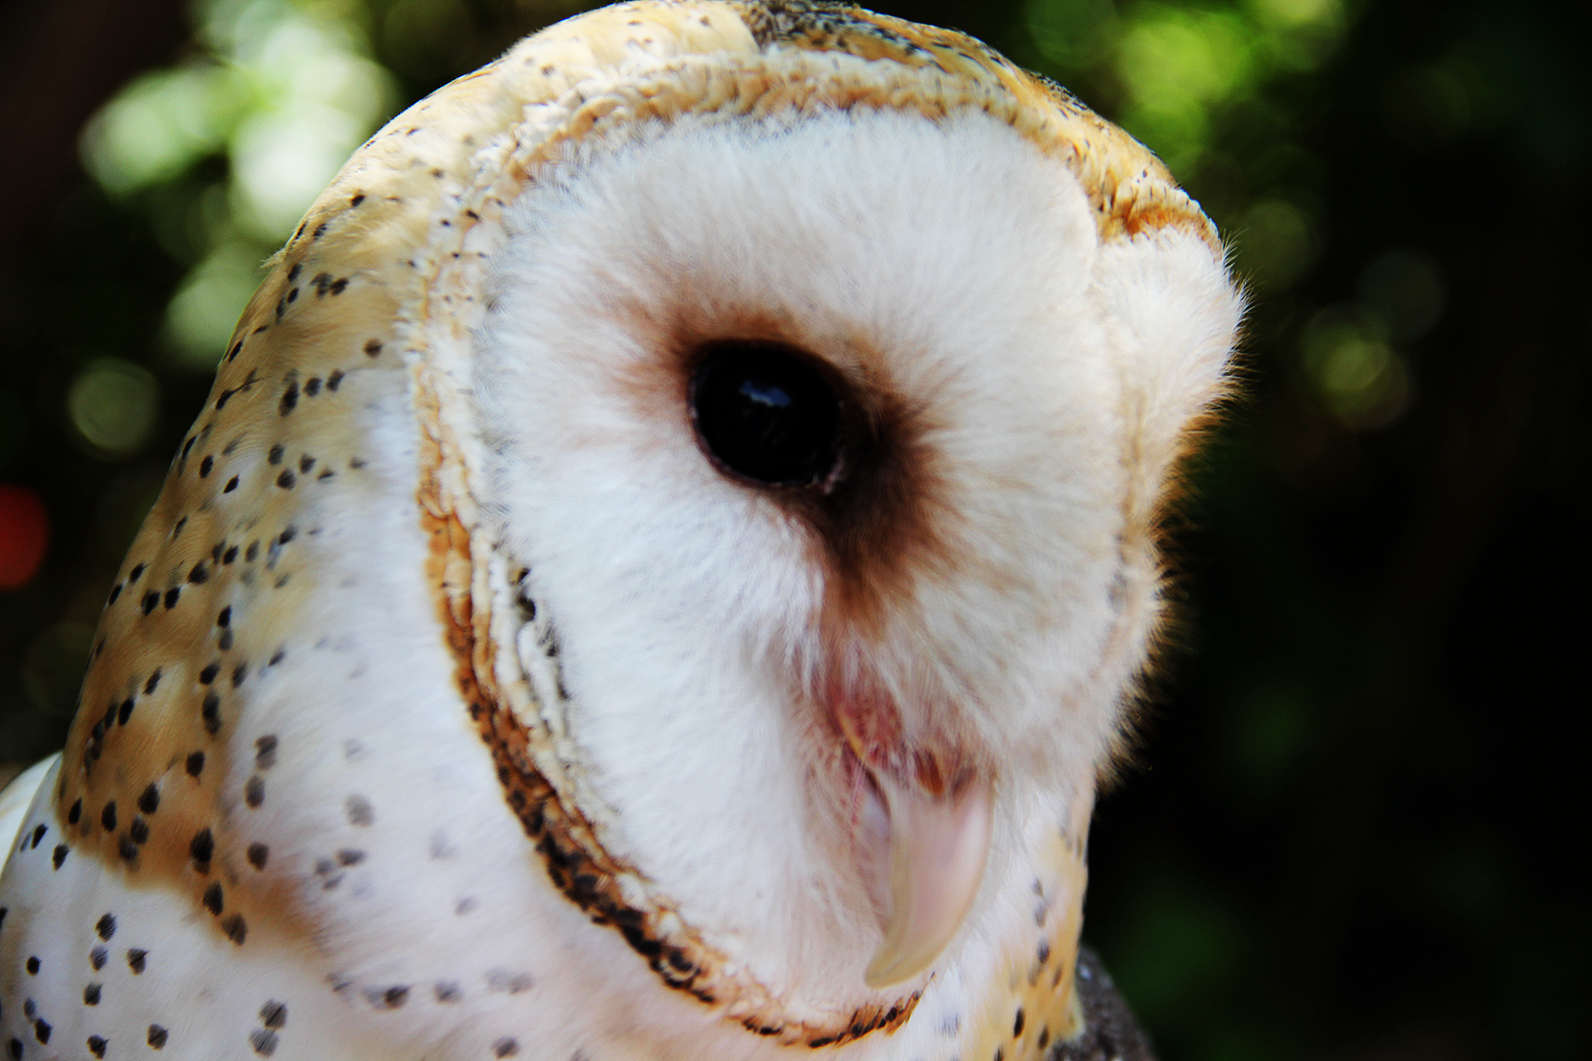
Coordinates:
(1353, 834)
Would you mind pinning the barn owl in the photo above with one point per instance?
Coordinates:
(662, 567)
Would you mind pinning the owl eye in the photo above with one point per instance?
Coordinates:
(765, 413)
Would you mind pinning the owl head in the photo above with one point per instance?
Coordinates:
(777, 400)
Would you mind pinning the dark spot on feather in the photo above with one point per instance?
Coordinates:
(203, 844)
(359, 811)
(506, 982)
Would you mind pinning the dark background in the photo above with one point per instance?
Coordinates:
(1355, 822)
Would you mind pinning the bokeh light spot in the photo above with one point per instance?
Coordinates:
(1297, 12)
(113, 404)
(1275, 244)
(1356, 373)
(24, 535)
(205, 309)
(1404, 290)
(284, 91)
(160, 125)
(1072, 33)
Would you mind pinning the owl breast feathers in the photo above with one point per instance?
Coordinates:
(664, 562)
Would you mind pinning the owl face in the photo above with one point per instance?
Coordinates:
(815, 439)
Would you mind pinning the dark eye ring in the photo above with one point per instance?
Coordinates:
(765, 413)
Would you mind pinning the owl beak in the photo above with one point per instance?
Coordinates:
(939, 843)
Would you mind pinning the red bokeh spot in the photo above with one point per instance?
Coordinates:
(24, 534)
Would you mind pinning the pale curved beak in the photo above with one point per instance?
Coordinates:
(939, 845)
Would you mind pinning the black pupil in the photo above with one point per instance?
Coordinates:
(765, 413)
